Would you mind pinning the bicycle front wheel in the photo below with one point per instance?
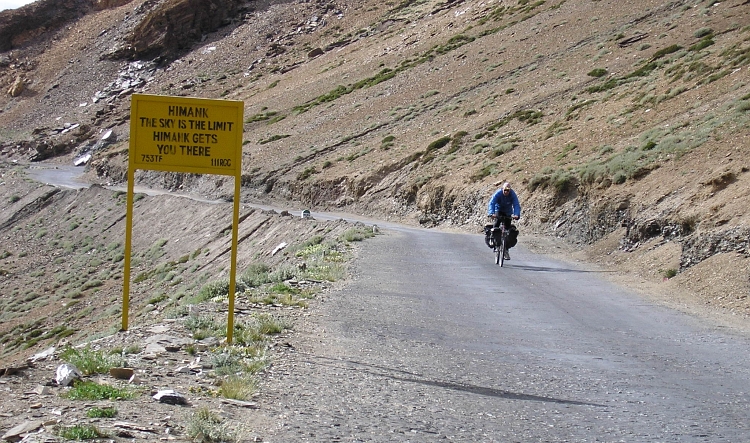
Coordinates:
(501, 252)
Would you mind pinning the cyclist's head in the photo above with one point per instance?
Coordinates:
(506, 188)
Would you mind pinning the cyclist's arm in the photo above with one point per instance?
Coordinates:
(516, 207)
(492, 206)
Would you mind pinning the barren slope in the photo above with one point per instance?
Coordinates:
(622, 125)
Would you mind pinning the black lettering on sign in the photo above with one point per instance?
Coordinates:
(205, 138)
(175, 137)
(148, 122)
(150, 158)
(188, 111)
(224, 162)
(220, 126)
(166, 149)
(204, 151)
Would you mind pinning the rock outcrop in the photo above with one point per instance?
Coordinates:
(19, 26)
(174, 25)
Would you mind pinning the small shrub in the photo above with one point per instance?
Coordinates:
(89, 361)
(238, 387)
(273, 138)
(598, 72)
(255, 275)
(502, 149)
(282, 288)
(669, 273)
(283, 273)
(485, 171)
(666, 51)
(609, 84)
(357, 234)
(703, 44)
(439, 143)
(619, 178)
(227, 363)
(207, 427)
(101, 412)
(703, 32)
(80, 432)
(258, 328)
(211, 290)
(89, 390)
(202, 326)
(307, 173)
(157, 299)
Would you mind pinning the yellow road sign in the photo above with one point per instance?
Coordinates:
(179, 134)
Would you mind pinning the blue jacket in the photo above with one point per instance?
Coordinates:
(504, 205)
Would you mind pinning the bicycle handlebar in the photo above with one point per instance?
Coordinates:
(493, 216)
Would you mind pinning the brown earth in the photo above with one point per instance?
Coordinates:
(411, 112)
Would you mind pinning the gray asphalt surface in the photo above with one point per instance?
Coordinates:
(434, 342)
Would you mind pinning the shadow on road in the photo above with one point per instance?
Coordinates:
(405, 376)
(548, 269)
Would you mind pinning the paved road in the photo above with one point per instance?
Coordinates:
(434, 342)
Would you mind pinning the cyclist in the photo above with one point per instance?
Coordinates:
(503, 206)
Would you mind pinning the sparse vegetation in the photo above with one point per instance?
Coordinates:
(90, 361)
(238, 387)
(90, 390)
(273, 138)
(207, 427)
(80, 432)
(101, 412)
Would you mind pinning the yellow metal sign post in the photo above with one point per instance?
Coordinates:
(192, 135)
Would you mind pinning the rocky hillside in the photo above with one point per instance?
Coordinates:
(623, 126)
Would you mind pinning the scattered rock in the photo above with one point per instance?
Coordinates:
(171, 397)
(42, 390)
(44, 355)
(242, 404)
(67, 374)
(19, 432)
(317, 52)
(122, 373)
(17, 87)
(279, 247)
